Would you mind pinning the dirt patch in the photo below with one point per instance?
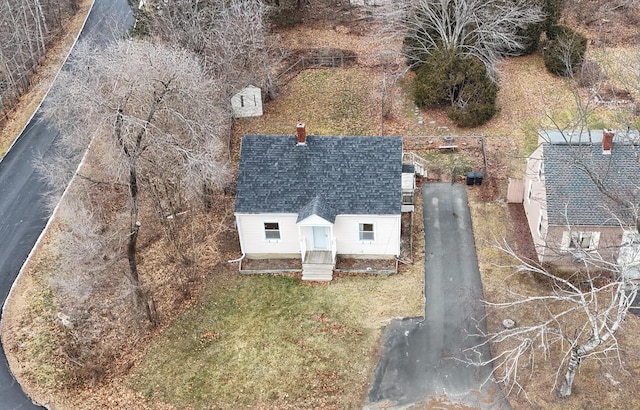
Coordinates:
(369, 266)
(520, 233)
(270, 265)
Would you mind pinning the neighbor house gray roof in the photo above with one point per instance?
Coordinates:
(577, 137)
(329, 175)
(572, 195)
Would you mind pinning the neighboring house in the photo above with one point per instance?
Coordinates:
(581, 194)
(247, 102)
(317, 197)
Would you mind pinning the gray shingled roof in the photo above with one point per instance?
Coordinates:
(576, 137)
(353, 175)
(572, 195)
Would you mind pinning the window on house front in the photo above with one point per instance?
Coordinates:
(242, 101)
(530, 191)
(271, 230)
(366, 232)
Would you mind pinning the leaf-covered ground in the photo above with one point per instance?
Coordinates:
(281, 327)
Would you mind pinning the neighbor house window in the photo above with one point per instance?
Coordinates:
(530, 191)
(540, 169)
(580, 240)
(407, 198)
(540, 226)
(272, 230)
(366, 232)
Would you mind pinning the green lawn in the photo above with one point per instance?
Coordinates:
(273, 341)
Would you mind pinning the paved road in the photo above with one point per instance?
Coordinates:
(424, 359)
(22, 214)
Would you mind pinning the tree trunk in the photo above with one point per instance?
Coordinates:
(141, 299)
(567, 383)
(135, 224)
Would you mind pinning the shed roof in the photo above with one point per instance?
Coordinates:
(573, 174)
(327, 175)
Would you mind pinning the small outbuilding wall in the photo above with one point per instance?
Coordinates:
(247, 102)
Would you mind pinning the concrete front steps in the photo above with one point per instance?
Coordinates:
(318, 266)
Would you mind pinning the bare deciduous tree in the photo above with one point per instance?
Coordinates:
(579, 317)
(152, 115)
(482, 29)
(26, 29)
(231, 36)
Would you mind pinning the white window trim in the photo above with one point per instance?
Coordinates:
(265, 230)
(570, 238)
(362, 231)
(530, 191)
(540, 226)
(540, 169)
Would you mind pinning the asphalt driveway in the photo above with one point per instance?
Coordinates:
(427, 359)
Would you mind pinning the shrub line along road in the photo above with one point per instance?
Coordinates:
(426, 359)
(23, 215)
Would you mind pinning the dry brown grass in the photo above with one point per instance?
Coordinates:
(599, 384)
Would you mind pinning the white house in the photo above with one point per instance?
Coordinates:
(247, 102)
(316, 197)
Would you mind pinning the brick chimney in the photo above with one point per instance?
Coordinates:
(302, 134)
(607, 141)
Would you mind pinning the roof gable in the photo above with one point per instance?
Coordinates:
(327, 175)
(319, 207)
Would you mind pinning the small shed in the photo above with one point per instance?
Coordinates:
(247, 102)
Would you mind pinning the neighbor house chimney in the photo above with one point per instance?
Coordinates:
(607, 141)
(302, 134)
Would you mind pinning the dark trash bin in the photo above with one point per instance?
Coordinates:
(471, 176)
(478, 178)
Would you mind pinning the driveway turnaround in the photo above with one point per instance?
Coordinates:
(429, 361)
(22, 213)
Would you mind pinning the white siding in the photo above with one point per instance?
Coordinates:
(386, 241)
(247, 103)
(252, 238)
(535, 201)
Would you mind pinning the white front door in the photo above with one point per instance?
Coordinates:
(320, 237)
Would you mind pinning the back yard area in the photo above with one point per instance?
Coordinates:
(257, 341)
